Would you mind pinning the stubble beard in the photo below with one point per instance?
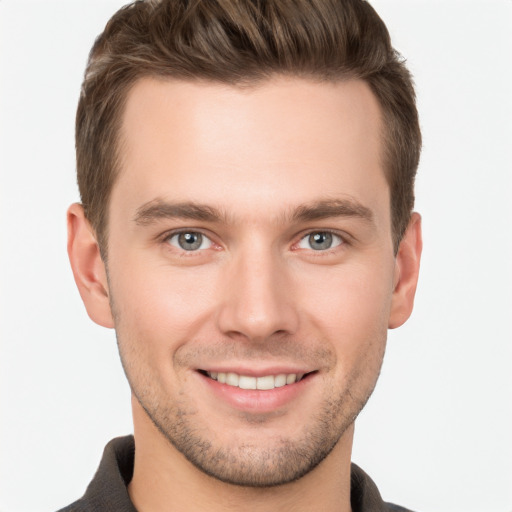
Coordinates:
(244, 462)
(252, 464)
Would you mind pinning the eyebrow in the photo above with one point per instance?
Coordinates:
(159, 209)
(325, 209)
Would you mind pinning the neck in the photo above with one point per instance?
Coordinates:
(164, 480)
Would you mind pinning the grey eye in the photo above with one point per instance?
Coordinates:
(190, 241)
(320, 241)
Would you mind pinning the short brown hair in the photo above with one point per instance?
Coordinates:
(242, 42)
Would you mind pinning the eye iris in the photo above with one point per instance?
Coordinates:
(190, 241)
(319, 241)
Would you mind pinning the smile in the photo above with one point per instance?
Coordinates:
(265, 382)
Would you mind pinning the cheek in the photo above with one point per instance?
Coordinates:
(351, 298)
(159, 304)
(351, 309)
(154, 317)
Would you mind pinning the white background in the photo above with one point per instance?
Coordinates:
(437, 434)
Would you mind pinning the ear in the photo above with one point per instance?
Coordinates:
(88, 267)
(407, 266)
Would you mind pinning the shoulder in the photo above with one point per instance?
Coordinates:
(78, 506)
(365, 496)
(108, 489)
(390, 507)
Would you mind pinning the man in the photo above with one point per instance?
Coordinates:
(246, 172)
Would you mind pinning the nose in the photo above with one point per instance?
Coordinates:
(257, 298)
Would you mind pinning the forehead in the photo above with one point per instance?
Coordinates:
(278, 144)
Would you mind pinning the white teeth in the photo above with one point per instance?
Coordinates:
(263, 383)
(245, 382)
(267, 382)
(280, 381)
(290, 379)
(232, 379)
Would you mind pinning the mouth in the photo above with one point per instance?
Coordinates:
(262, 383)
(261, 391)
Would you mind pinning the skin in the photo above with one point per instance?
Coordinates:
(263, 168)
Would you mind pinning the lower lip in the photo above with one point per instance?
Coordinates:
(254, 400)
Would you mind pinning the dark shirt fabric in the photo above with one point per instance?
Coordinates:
(108, 492)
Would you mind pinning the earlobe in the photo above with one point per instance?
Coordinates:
(88, 267)
(407, 268)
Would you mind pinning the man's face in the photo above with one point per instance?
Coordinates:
(250, 241)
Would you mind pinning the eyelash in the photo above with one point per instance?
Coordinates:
(343, 241)
(166, 238)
